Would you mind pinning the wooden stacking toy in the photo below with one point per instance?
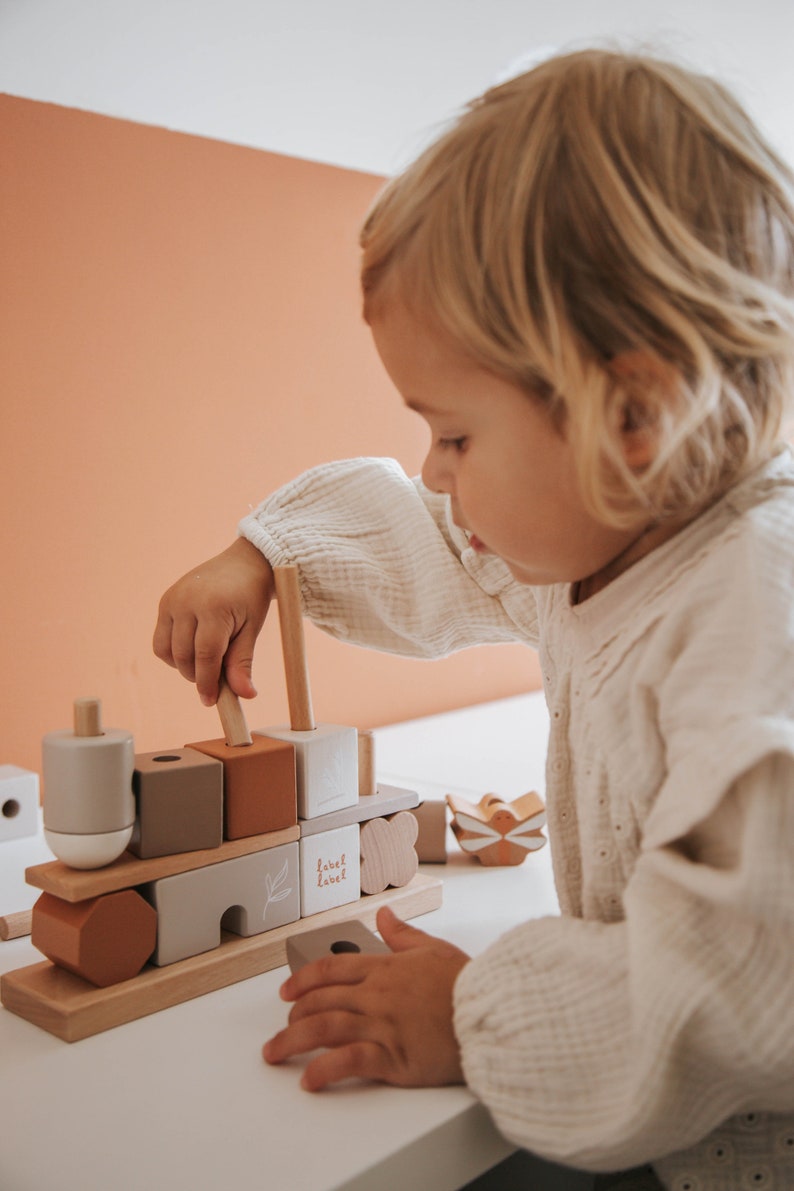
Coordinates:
(223, 865)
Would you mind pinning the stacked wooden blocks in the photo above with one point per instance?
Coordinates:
(231, 839)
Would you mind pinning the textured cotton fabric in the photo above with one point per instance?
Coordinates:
(653, 1021)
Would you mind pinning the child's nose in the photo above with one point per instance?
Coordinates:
(434, 474)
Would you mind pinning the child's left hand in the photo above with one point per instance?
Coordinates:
(383, 1017)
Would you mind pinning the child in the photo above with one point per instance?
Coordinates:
(586, 288)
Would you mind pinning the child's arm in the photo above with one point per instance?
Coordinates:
(212, 617)
(376, 1016)
(380, 565)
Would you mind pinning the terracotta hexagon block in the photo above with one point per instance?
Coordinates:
(259, 790)
(103, 939)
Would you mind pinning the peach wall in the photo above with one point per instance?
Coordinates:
(180, 334)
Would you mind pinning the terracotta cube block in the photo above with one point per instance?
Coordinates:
(103, 939)
(329, 869)
(179, 802)
(259, 792)
(246, 895)
(327, 766)
(19, 802)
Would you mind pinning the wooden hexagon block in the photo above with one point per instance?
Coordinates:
(103, 939)
(388, 856)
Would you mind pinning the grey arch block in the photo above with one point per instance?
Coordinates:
(252, 894)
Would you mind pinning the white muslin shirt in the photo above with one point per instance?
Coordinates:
(653, 1021)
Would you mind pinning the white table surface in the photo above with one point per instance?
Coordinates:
(182, 1099)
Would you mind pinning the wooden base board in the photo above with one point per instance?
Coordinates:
(70, 1008)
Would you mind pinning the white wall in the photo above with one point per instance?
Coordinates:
(358, 83)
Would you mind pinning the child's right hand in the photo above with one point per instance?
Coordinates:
(211, 617)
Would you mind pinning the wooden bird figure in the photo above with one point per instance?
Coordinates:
(497, 832)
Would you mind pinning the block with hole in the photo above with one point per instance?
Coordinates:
(19, 803)
(342, 938)
(179, 802)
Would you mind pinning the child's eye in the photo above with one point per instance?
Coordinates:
(453, 444)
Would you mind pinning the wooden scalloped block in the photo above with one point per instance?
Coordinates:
(103, 939)
(388, 856)
(497, 832)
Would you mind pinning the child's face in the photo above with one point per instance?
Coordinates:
(509, 473)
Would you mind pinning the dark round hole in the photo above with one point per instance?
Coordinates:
(342, 945)
(167, 757)
(10, 808)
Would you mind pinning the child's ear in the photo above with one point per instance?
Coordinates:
(648, 392)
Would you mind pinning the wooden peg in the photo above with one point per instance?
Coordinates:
(233, 721)
(367, 782)
(88, 717)
(293, 645)
(15, 926)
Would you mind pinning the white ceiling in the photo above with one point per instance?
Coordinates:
(358, 83)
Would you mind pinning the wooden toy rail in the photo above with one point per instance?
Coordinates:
(70, 1008)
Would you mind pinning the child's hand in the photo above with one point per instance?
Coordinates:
(384, 1017)
(212, 616)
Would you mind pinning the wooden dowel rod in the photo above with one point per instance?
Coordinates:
(367, 783)
(293, 645)
(87, 717)
(14, 926)
(233, 721)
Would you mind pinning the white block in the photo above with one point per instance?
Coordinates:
(330, 869)
(19, 802)
(326, 767)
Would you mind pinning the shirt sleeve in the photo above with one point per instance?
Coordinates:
(610, 1044)
(382, 564)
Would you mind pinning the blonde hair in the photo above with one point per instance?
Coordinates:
(610, 232)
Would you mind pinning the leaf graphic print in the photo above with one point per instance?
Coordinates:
(274, 892)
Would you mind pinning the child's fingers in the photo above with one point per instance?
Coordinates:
(328, 971)
(212, 637)
(183, 646)
(161, 641)
(359, 1060)
(399, 935)
(238, 662)
(328, 1030)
